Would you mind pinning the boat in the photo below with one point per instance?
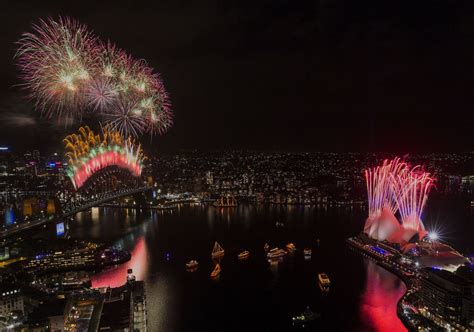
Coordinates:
(192, 264)
(306, 317)
(290, 247)
(217, 251)
(307, 253)
(243, 255)
(216, 272)
(324, 282)
(276, 253)
(266, 247)
(279, 224)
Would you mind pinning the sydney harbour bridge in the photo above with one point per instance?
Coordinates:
(100, 168)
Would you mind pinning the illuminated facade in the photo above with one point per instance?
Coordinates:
(11, 300)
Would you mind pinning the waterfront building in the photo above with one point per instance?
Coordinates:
(108, 309)
(83, 311)
(11, 300)
(63, 260)
(47, 316)
(448, 296)
(467, 272)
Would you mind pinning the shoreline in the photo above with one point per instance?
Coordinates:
(404, 278)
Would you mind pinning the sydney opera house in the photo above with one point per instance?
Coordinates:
(397, 195)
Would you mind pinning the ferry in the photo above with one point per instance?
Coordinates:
(217, 251)
(266, 247)
(290, 247)
(243, 255)
(306, 317)
(216, 272)
(307, 253)
(324, 282)
(279, 224)
(276, 253)
(192, 264)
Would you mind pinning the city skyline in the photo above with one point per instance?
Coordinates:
(280, 76)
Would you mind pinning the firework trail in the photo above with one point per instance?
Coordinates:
(411, 189)
(392, 187)
(69, 71)
(379, 183)
(380, 193)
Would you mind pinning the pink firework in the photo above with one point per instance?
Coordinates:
(69, 71)
(393, 187)
(101, 94)
(381, 222)
(379, 190)
(411, 189)
(126, 117)
(57, 62)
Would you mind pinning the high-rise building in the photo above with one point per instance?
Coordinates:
(449, 296)
(209, 178)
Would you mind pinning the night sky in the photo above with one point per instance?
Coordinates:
(395, 76)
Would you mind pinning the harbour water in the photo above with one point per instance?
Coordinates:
(251, 294)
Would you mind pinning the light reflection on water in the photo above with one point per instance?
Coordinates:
(116, 276)
(363, 296)
(379, 299)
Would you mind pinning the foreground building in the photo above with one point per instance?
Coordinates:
(11, 300)
(108, 309)
(447, 297)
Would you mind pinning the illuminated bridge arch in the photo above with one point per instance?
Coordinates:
(89, 154)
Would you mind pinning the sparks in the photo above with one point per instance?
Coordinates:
(70, 72)
(88, 153)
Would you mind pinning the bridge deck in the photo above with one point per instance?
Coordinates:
(18, 228)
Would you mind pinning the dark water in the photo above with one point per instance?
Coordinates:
(251, 295)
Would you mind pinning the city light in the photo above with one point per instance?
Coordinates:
(433, 236)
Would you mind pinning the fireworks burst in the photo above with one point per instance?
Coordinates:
(69, 71)
(379, 186)
(101, 94)
(126, 117)
(56, 63)
(411, 189)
